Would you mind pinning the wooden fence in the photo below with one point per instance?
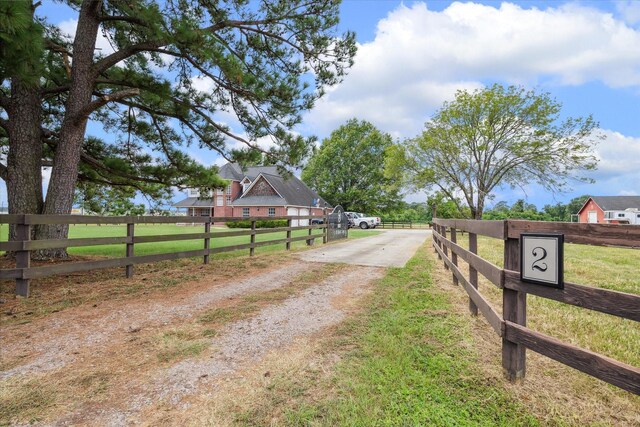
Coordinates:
(512, 325)
(23, 272)
(404, 224)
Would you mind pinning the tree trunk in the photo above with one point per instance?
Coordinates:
(67, 157)
(24, 172)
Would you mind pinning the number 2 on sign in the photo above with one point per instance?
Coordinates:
(537, 264)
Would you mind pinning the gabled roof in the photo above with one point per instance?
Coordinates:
(293, 191)
(615, 203)
(194, 202)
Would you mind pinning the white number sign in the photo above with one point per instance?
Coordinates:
(541, 259)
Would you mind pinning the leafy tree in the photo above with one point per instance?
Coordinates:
(265, 64)
(575, 204)
(446, 207)
(495, 137)
(348, 169)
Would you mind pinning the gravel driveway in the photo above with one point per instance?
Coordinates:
(391, 248)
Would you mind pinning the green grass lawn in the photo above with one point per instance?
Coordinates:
(85, 231)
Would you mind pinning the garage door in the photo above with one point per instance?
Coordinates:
(293, 212)
(592, 217)
(304, 212)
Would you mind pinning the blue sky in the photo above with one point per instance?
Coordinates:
(413, 56)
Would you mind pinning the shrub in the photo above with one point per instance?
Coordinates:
(271, 223)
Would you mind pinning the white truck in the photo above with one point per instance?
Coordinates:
(357, 219)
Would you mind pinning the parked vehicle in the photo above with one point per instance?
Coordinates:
(357, 219)
(627, 216)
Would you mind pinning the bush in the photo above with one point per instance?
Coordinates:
(272, 223)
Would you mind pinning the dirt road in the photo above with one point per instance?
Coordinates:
(140, 360)
(391, 248)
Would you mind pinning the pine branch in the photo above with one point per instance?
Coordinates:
(104, 99)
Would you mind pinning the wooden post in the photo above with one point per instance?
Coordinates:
(473, 273)
(310, 241)
(445, 250)
(253, 238)
(436, 228)
(514, 309)
(454, 256)
(23, 258)
(207, 242)
(288, 244)
(325, 230)
(130, 234)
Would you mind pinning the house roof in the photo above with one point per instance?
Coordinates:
(615, 203)
(193, 202)
(260, 201)
(293, 191)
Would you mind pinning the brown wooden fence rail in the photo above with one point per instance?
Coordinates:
(512, 325)
(23, 272)
(404, 224)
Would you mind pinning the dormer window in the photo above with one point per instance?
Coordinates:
(245, 184)
(193, 192)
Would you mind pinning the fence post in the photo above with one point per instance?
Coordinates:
(325, 230)
(207, 229)
(23, 258)
(436, 228)
(473, 273)
(288, 244)
(309, 242)
(454, 256)
(130, 234)
(445, 250)
(253, 238)
(514, 309)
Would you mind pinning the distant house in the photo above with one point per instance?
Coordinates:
(611, 210)
(255, 191)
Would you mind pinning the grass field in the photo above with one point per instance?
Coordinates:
(85, 231)
(602, 267)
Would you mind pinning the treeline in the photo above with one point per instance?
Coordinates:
(522, 210)
(422, 212)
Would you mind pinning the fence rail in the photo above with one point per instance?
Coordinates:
(512, 325)
(22, 247)
(404, 224)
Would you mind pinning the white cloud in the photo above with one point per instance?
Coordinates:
(420, 57)
(619, 155)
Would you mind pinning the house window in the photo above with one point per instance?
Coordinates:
(219, 201)
(229, 189)
(204, 212)
(272, 211)
(219, 192)
(245, 212)
(228, 200)
(193, 192)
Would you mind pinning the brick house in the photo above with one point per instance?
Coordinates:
(255, 191)
(609, 209)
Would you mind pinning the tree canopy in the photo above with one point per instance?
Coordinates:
(348, 169)
(492, 137)
(218, 75)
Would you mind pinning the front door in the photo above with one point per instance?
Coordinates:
(592, 217)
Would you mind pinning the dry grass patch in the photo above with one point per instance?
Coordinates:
(58, 293)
